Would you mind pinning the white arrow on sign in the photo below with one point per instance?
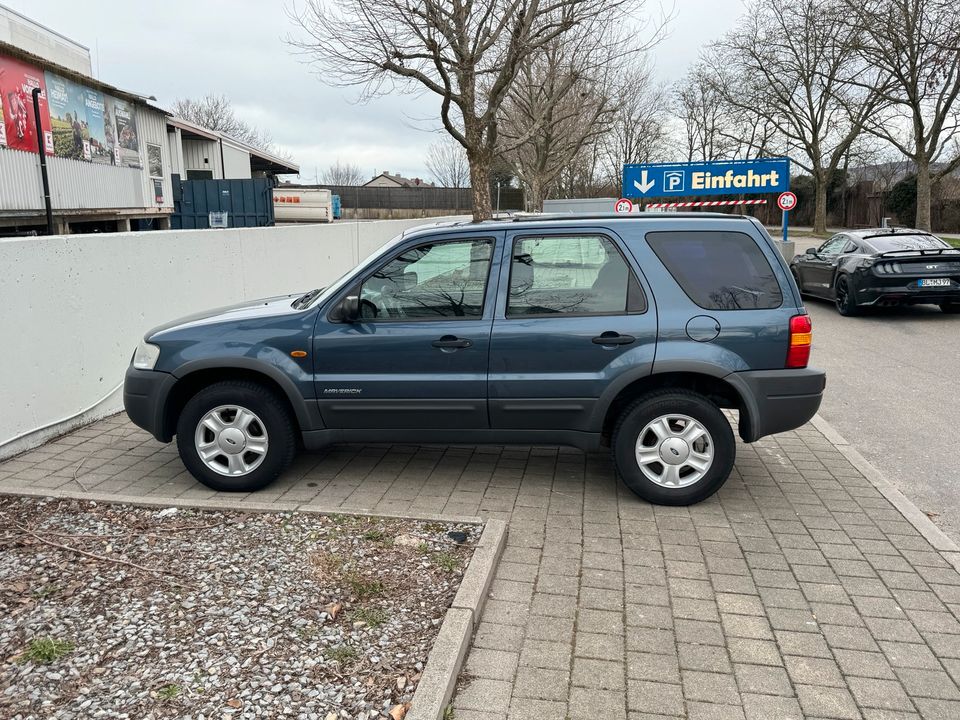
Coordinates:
(644, 185)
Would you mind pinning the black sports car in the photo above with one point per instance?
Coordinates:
(881, 267)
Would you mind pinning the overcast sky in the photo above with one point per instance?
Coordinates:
(188, 48)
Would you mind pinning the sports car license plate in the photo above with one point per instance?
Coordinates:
(934, 282)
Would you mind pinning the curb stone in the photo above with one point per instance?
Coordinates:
(439, 678)
(229, 505)
(911, 513)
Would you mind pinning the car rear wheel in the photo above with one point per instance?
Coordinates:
(843, 296)
(950, 308)
(673, 447)
(236, 436)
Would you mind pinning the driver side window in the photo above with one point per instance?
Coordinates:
(833, 246)
(430, 282)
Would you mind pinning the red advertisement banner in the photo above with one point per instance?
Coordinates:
(17, 80)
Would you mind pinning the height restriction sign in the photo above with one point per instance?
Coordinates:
(787, 201)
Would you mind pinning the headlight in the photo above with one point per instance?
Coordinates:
(146, 356)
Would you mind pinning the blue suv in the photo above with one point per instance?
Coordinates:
(632, 332)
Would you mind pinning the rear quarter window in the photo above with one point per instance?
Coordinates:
(718, 270)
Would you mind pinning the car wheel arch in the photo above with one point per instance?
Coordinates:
(715, 386)
(192, 377)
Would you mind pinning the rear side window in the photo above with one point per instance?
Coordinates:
(718, 270)
(570, 275)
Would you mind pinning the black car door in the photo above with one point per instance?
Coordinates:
(816, 271)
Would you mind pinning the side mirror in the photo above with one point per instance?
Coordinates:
(811, 251)
(350, 309)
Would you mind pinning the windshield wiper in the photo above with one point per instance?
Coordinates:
(306, 299)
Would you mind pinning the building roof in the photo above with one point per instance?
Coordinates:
(400, 180)
(260, 160)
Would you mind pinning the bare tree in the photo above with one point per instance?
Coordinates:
(792, 62)
(342, 173)
(700, 106)
(638, 131)
(447, 162)
(215, 112)
(916, 43)
(467, 53)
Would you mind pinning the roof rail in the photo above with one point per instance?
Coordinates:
(550, 217)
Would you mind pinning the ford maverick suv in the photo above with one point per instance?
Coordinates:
(632, 332)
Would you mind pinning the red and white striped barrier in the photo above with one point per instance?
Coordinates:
(705, 203)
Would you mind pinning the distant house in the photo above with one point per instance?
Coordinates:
(385, 179)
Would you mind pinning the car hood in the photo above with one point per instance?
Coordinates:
(250, 310)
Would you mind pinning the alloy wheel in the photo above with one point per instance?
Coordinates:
(674, 451)
(231, 440)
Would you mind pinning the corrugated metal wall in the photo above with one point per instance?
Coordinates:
(20, 180)
(74, 184)
(79, 185)
(194, 153)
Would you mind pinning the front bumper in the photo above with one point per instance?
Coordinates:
(145, 397)
(777, 400)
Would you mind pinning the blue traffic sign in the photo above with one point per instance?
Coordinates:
(732, 177)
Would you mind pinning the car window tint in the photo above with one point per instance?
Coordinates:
(428, 282)
(571, 276)
(718, 270)
(907, 242)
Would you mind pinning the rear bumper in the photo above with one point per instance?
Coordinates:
(777, 400)
(144, 398)
(907, 292)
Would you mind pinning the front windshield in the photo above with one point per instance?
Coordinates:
(907, 242)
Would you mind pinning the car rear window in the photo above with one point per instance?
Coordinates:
(907, 242)
(718, 270)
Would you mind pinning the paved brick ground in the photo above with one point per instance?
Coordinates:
(797, 592)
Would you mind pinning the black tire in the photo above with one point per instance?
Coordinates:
(950, 308)
(277, 425)
(843, 298)
(679, 402)
(796, 279)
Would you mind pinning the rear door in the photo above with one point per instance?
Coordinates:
(572, 315)
(418, 356)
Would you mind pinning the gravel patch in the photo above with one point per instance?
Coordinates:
(111, 611)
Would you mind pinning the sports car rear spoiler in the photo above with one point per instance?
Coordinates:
(930, 251)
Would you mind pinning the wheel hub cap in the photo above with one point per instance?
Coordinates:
(674, 451)
(231, 440)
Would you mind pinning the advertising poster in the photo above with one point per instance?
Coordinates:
(17, 80)
(68, 118)
(101, 138)
(127, 148)
(3, 129)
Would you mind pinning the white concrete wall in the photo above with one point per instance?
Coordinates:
(75, 306)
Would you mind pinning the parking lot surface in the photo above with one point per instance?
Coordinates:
(798, 591)
(892, 392)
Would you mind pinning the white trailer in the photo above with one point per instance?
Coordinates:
(302, 205)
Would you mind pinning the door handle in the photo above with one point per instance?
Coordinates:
(451, 342)
(614, 338)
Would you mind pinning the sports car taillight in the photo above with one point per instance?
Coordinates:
(801, 336)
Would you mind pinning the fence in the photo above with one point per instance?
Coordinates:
(383, 202)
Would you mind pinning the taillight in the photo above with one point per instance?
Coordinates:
(801, 336)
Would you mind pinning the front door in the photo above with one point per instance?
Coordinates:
(818, 270)
(575, 316)
(417, 358)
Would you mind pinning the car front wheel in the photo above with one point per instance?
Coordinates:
(673, 447)
(236, 436)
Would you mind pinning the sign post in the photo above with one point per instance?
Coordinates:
(786, 202)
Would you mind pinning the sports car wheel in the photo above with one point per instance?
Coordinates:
(846, 305)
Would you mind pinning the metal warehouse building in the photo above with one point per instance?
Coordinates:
(113, 158)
